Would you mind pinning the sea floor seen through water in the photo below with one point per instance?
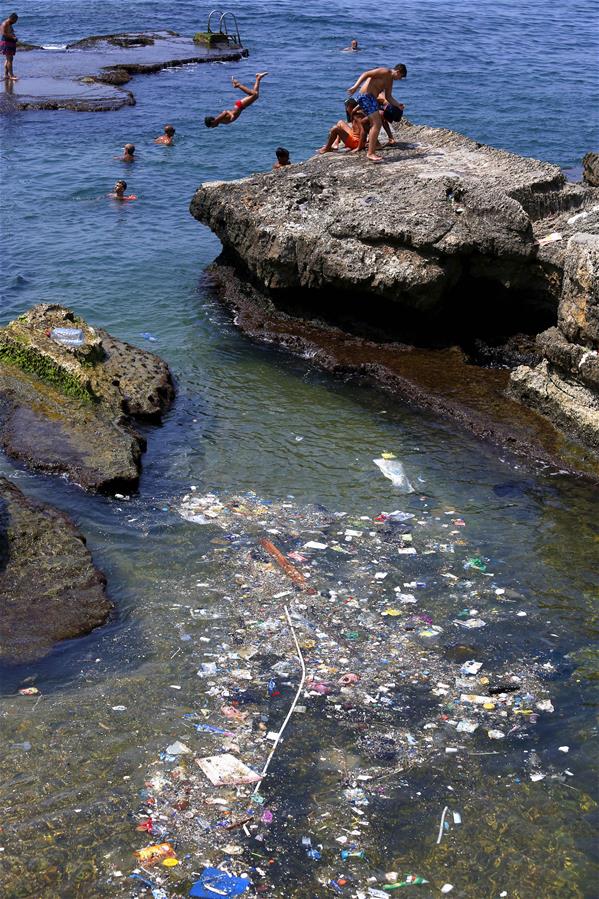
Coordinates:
(82, 757)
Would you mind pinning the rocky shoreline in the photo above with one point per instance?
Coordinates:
(448, 242)
(49, 587)
(72, 409)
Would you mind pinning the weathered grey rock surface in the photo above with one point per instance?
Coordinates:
(565, 385)
(71, 410)
(49, 587)
(440, 208)
(443, 232)
(590, 169)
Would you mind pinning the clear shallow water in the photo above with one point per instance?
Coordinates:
(522, 76)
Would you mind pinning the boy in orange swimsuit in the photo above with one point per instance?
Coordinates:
(352, 135)
(228, 116)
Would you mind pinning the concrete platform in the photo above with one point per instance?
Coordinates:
(89, 75)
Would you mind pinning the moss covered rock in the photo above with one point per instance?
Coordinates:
(71, 409)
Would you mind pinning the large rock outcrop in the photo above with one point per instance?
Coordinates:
(565, 385)
(440, 214)
(445, 241)
(49, 587)
(71, 409)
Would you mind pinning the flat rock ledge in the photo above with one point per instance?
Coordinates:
(71, 409)
(49, 587)
(564, 386)
(88, 75)
(445, 236)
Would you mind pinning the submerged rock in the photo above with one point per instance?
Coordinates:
(49, 587)
(70, 409)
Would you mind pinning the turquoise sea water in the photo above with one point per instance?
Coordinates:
(520, 75)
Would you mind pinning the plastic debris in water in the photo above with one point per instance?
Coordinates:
(147, 336)
(352, 853)
(156, 853)
(410, 880)
(471, 667)
(227, 769)
(475, 563)
(177, 748)
(213, 882)
(394, 470)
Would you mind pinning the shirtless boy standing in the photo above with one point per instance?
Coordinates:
(373, 83)
(8, 45)
(228, 116)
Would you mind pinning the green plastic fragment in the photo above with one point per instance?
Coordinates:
(410, 881)
(476, 563)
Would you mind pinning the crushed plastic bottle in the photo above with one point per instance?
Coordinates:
(68, 336)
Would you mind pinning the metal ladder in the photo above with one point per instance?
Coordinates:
(233, 37)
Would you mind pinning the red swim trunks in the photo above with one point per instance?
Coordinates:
(238, 104)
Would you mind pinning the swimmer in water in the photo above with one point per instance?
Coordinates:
(128, 153)
(119, 192)
(228, 116)
(167, 137)
(8, 45)
(282, 158)
(353, 47)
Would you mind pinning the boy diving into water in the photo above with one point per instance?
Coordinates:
(375, 82)
(228, 116)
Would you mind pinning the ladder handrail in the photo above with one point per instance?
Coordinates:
(223, 22)
(212, 13)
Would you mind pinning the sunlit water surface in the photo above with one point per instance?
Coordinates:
(518, 75)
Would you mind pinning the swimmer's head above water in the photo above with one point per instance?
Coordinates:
(210, 122)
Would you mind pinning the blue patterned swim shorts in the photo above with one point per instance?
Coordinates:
(368, 103)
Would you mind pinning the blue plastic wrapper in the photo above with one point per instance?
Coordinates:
(214, 882)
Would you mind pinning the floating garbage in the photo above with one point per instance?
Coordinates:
(394, 470)
(153, 854)
(410, 880)
(382, 653)
(227, 769)
(177, 748)
(213, 883)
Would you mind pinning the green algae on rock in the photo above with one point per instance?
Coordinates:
(49, 587)
(69, 409)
